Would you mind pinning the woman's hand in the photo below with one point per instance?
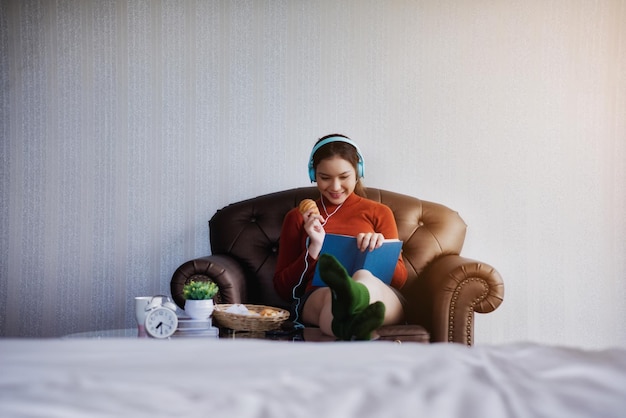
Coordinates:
(314, 229)
(369, 240)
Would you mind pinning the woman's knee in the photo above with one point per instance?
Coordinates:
(380, 291)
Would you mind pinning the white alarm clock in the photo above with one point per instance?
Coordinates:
(161, 319)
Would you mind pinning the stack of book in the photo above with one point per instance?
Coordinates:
(188, 327)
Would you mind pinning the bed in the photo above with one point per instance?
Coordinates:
(258, 378)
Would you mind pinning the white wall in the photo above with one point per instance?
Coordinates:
(126, 124)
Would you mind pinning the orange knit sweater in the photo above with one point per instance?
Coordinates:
(355, 216)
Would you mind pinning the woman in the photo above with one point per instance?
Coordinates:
(350, 307)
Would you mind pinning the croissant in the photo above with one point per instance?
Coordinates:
(266, 312)
(308, 204)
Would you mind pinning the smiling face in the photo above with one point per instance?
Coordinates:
(336, 179)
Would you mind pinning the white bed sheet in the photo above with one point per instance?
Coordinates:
(256, 378)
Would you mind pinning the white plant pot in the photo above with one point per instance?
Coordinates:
(199, 309)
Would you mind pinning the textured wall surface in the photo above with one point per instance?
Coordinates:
(125, 124)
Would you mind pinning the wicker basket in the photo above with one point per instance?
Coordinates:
(243, 322)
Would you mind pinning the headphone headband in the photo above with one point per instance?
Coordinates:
(359, 166)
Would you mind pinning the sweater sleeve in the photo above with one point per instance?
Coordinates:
(291, 265)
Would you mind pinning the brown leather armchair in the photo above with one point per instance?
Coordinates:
(444, 290)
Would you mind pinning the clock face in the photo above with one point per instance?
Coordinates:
(161, 323)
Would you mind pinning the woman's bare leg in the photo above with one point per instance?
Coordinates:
(379, 291)
(318, 307)
(317, 310)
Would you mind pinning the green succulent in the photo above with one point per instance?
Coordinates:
(200, 290)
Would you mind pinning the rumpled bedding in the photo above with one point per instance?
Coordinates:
(248, 378)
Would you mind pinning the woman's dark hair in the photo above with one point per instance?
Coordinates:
(344, 151)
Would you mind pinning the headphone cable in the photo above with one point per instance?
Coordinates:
(296, 322)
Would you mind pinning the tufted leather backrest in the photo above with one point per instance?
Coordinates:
(249, 231)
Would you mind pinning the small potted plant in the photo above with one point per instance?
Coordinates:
(199, 298)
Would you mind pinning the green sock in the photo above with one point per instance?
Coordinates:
(353, 316)
(349, 297)
(361, 325)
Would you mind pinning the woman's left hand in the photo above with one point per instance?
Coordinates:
(369, 240)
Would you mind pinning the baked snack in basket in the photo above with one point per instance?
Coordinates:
(308, 204)
(250, 317)
(269, 313)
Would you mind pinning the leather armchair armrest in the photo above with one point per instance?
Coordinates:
(448, 293)
(224, 270)
(460, 287)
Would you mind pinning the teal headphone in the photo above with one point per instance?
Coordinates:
(359, 165)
